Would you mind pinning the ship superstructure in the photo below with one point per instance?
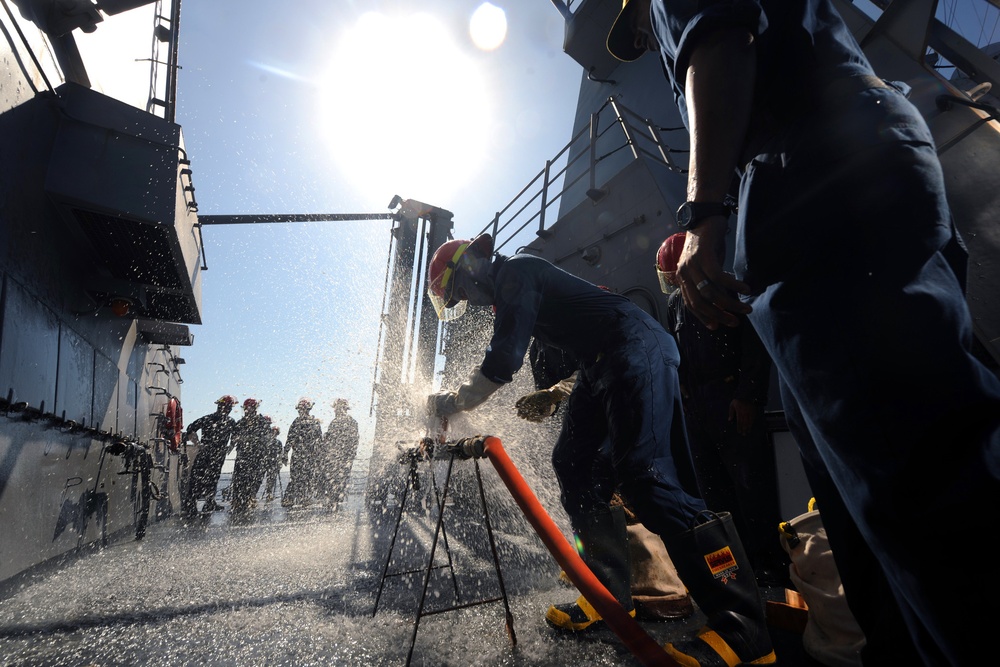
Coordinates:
(101, 274)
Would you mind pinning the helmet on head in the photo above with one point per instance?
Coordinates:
(227, 400)
(341, 404)
(666, 260)
(304, 404)
(441, 274)
(250, 403)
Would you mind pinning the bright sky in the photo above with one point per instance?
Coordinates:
(334, 108)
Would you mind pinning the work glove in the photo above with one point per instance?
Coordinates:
(540, 404)
(442, 404)
(537, 405)
(473, 392)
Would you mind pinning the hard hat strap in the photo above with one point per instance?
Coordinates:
(451, 266)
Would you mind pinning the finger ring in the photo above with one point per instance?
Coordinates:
(703, 284)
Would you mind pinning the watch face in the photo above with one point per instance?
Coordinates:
(690, 213)
(685, 215)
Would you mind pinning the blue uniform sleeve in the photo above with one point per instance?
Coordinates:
(680, 26)
(517, 300)
(197, 425)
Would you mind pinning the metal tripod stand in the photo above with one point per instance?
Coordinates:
(427, 453)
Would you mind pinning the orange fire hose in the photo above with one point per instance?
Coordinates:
(628, 630)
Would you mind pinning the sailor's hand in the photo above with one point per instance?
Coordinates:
(193, 439)
(708, 291)
(442, 404)
(537, 405)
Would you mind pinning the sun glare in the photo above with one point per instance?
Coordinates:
(488, 26)
(404, 109)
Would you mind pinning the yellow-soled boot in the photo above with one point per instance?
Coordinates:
(575, 616)
(602, 541)
(708, 649)
(712, 563)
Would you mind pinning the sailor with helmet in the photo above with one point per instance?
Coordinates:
(303, 441)
(216, 430)
(251, 438)
(341, 445)
(623, 426)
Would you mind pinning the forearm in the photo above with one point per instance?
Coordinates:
(719, 89)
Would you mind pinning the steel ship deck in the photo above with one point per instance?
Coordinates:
(298, 587)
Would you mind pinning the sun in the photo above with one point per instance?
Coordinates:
(488, 26)
(404, 109)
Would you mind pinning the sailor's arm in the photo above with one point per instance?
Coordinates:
(719, 88)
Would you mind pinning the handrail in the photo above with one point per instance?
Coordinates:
(594, 143)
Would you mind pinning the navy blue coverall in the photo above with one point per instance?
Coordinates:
(845, 238)
(252, 439)
(340, 447)
(624, 416)
(216, 430)
(734, 470)
(305, 437)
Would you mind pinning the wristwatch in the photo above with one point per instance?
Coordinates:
(691, 213)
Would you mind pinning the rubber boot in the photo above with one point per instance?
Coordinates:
(712, 563)
(603, 542)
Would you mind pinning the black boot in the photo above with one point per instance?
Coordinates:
(712, 564)
(603, 541)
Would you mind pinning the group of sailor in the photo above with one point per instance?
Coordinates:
(320, 463)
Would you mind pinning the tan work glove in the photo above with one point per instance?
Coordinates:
(540, 404)
(473, 392)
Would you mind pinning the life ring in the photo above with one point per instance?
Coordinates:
(174, 424)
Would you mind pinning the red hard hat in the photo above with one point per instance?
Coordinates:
(666, 260)
(670, 252)
(250, 403)
(441, 273)
(226, 400)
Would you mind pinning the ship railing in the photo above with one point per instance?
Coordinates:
(580, 169)
(162, 98)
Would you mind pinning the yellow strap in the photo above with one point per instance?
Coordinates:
(450, 268)
(786, 529)
(720, 646)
